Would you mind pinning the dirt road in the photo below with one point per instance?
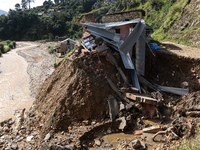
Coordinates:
(20, 78)
(183, 50)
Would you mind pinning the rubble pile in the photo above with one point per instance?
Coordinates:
(188, 106)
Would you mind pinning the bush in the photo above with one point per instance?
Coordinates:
(11, 46)
(8, 42)
(14, 44)
(6, 49)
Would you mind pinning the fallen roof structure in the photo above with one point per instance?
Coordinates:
(104, 31)
(128, 40)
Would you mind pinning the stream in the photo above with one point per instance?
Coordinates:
(14, 83)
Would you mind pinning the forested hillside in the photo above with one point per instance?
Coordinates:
(24, 23)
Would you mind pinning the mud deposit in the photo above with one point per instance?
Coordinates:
(14, 84)
(22, 72)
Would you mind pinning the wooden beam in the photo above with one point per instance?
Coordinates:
(141, 99)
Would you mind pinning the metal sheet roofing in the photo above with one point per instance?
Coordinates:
(111, 25)
(65, 41)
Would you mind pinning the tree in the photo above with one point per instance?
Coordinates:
(17, 6)
(29, 2)
(24, 4)
(56, 1)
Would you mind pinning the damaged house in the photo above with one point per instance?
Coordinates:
(125, 35)
(127, 38)
(66, 45)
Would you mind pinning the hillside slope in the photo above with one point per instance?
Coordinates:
(2, 12)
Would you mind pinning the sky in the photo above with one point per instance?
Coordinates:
(10, 4)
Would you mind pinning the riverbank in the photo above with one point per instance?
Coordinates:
(23, 71)
(40, 63)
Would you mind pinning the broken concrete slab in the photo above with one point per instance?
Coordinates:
(123, 123)
(113, 107)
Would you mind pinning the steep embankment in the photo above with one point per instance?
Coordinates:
(73, 93)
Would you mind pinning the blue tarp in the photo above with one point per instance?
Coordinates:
(154, 46)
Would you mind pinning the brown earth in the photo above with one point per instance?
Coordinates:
(169, 69)
(73, 93)
(183, 50)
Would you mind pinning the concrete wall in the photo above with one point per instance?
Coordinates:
(124, 31)
(121, 16)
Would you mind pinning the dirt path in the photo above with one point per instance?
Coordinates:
(183, 50)
(20, 78)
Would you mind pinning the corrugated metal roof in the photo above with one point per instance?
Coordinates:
(133, 37)
(140, 54)
(104, 33)
(111, 25)
(65, 41)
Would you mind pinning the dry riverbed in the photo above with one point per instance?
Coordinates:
(22, 72)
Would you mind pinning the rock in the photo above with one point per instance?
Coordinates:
(20, 139)
(143, 145)
(29, 138)
(109, 131)
(47, 137)
(18, 118)
(69, 147)
(1, 141)
(93, 122)
(86, 122)
(6, 130)
(97, 142)
(14, 146)
(121, 106)
(45, 146)
(135, 144)
(184, 84)
(57, 147)
(122, 124)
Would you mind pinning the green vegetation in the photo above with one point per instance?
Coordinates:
(190, 144)
(24, 23)
(49, 48)
(8, 45)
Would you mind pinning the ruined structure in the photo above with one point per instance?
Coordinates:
(66, 45)
(123, 16)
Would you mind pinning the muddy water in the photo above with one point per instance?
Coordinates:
(14, 84)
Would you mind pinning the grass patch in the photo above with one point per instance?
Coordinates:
(49, 48)
(64, 58)
(163, 17)
(191, 144)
